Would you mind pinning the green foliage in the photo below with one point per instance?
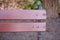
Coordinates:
(32, 5)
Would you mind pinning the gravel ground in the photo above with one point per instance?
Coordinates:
(19, 36)
(52, 32)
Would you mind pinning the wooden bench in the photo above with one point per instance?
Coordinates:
(22, 20)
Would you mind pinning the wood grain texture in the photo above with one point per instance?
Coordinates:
(51, 7)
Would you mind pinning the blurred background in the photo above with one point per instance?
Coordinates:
(52, 8)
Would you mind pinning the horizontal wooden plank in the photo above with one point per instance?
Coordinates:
(22, 14)
(20, 27)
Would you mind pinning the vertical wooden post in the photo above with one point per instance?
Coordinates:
(51, 7)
